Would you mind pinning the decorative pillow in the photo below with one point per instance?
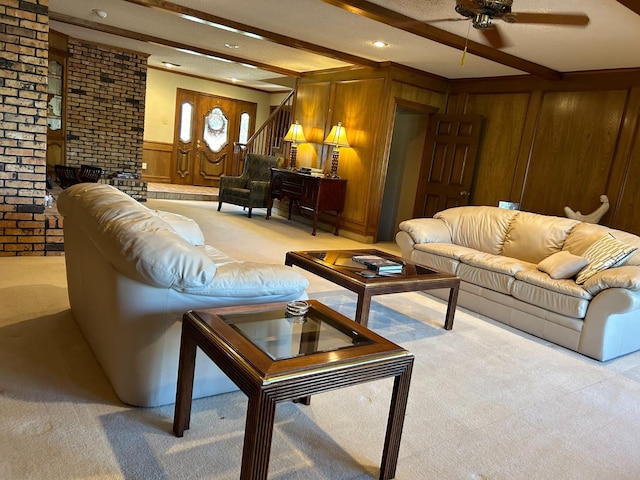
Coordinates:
(605, 253)
(562, 265)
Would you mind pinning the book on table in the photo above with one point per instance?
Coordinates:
(379, 264)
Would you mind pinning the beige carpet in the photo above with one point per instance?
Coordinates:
(486, 402)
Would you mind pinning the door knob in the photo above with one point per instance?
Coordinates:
(464, 192)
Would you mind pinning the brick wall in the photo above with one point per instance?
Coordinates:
(105, 110)
(24, 30)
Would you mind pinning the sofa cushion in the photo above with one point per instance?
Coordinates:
(490, 271)
(605, 253)
(498, 282)
(216, 256)
(562, 265)
(186, 227)
(435, 261)
(559, 296)
(482, 228)
(533, 237)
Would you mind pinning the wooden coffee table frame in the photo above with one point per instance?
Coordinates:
(266, 381)
(416, 278)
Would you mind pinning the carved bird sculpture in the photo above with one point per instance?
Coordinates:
(593, 217)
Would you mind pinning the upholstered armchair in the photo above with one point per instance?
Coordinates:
(251, 189)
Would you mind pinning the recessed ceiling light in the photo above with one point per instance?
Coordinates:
(100, 13)
(170, 65)
(234, 79)
(230, 45)
(379, 44)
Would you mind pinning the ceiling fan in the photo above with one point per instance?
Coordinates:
(483, 12)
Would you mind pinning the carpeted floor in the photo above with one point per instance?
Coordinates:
(486, 401)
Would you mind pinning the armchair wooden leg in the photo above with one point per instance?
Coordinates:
(219, 205)
(249, 215)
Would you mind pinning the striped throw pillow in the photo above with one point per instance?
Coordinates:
(605, 253)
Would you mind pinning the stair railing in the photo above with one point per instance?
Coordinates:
(267, 140)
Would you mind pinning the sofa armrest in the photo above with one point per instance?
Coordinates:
(249, 279)
(627, 277)
(427, 230)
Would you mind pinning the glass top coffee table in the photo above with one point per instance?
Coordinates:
(275, 358)
(338, 267)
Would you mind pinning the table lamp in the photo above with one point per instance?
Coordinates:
(295, 135)
(338, 138)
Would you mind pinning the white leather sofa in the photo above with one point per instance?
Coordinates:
(505, 260)
(132, 273)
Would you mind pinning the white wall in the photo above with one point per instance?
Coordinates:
(160, 102)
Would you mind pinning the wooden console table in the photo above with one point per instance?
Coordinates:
(313, 194)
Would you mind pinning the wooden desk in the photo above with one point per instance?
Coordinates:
(313, 194)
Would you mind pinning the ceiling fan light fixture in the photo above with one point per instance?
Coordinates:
(99, 13)
(482, 21)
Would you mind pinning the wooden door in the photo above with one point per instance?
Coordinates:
(448, 161)
(206, 128)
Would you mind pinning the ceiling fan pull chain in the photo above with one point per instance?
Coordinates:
(466, 42)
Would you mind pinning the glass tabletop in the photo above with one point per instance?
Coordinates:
(344, 261)
(282, 337)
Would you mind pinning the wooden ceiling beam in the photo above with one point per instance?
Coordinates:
(190, 13)
(121, 32)
(633, 5)
(411, 25)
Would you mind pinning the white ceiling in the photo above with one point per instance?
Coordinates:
(610, 41)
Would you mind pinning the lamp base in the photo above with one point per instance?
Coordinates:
(334, 164)
(292, 157)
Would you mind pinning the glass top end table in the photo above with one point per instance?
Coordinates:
(273, 358)
(339, 267)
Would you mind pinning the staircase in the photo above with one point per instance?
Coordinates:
(268, 138)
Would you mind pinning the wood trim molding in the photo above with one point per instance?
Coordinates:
(121, 32)
(424, 30)
(182, 11)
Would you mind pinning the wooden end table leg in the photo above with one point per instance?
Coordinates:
(395, 423)
(337, 226)
(184, 392)
(451, 307)
(362, 308)
(258, 433)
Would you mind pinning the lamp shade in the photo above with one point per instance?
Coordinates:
(295, 134)
(337, 136)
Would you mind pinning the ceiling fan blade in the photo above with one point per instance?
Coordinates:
(576, 19)
(455, 19)
(493, 37)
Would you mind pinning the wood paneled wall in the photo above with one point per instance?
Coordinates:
(157, 157)
(551, 144)
(364, 100)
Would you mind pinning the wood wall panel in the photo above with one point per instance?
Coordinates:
(157, 156)
(579, 140)
(624, 188)
(312, 105)
(359, 105)
(573, 149)
(504, 118)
